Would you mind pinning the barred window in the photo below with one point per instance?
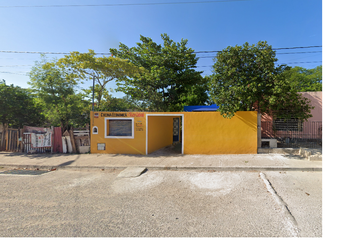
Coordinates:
(119, 128)
(293, 124)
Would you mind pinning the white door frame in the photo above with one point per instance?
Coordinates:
(163, 115)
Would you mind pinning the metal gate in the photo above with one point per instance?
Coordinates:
(293, 133)
(176, 130)
(30, 147)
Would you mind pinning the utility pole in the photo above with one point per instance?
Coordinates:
(93, 94)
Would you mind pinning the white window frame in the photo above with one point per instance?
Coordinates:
(93, 128)
(114, 118)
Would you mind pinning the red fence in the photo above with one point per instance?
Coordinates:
(57, 143)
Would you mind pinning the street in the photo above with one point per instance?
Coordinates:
(96, 203)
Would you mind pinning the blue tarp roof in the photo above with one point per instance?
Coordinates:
(211, 108)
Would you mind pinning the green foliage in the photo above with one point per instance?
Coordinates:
(18, 107)
(86, 66)
(169, 81)
(284, 101)
(305, 80)
(120, 104)
(110, 104)
(245, 78)
(55, 92)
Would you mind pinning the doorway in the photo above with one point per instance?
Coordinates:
(157, 137)
(176, 130)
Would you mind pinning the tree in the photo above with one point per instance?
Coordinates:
(18, 107)
(120, 104)
(170, 80)
(245, 78)
(86, 66)
(56, 93)
(110, 103)
(305, 80)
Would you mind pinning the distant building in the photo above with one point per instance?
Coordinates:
(295, 133)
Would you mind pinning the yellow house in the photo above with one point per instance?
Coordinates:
(198, 132)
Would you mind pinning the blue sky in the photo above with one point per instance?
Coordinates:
(207, 26)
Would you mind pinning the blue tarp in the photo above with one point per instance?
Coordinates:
(211, 108)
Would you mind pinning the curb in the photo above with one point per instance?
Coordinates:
(238, 168)
(294, 151)
(175, 168)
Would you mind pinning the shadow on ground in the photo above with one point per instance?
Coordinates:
(174, 150)
(38, 155)
(294, 157)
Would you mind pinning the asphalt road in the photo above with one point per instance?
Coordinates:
(67, 203)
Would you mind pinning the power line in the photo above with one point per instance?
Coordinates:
(301, 62)
(300, 52)
(16, 65)
(120, 4)
(196, 66)
(296, 47)
(196, 52)
(273, 49)
(17, 73)
(63, 53)
(213, 56)
(278, 63)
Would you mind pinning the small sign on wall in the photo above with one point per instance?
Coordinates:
(101, 146)
(139, 126)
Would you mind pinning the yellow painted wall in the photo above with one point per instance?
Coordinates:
(119, 145)
(204, 133)
(160, 132)
(210, 133)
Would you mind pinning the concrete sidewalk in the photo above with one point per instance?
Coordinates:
(242, 162)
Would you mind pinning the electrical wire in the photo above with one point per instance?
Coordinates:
(209, 66)
(297, 47)
(62, 53)
(195, 52)
(277, 63)
(299, 52)
(17, 73)
(15, 65)
(120, 4)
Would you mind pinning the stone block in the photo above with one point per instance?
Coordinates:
(272, 142)
(84, 149)
(315, 158)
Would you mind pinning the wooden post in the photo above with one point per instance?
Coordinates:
(18, 140)
(7, 139)
(259, 133)
(22, 140)
(72, 140)
(2, 147)
(52, 139)
(4, 137)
